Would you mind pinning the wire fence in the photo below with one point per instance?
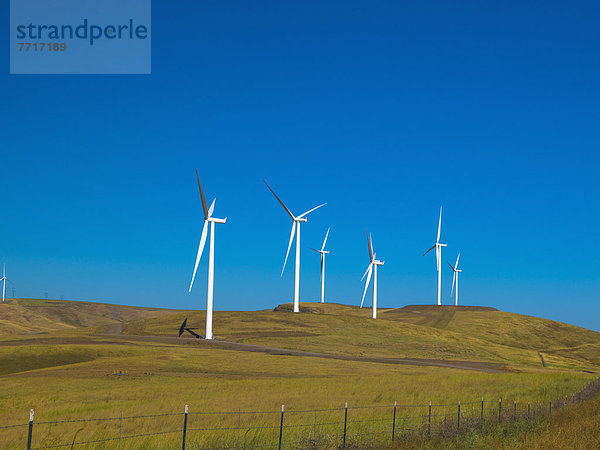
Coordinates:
(346, 426)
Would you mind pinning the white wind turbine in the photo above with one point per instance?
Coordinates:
(373, 263)
(4, 280)
(323, 252)
(296, 220)
(438, 257)
(211, 257)
(456, 271)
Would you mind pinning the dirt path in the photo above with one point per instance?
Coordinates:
(444, 319)
(487, 367)
(466, 365)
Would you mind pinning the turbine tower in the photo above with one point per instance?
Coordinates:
(456, 271)
(323, 252)
(208, 218)
(373, 263)
(438, 258)
(296, 221)
(3, 279)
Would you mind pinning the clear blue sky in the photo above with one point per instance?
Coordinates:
(385, 110)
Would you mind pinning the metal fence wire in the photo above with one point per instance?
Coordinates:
(346, 426)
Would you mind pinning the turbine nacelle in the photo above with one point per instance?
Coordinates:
(455, 273)
(322, 252)
(373, 263)
(296, 221)
(208, 218)
(438, 257)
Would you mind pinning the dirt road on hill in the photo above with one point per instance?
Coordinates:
(487, 367)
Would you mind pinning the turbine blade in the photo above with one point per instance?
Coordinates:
(289, 246)
(204, 207)
(450, 265)
(212, 208)
(310, 210)
(200, 249)
(279, 200)
(322, 256)
(370, 246)
(368, 267)
(439, 227)
(429, 250)
(182, 327)
(456, 265)
(325, 240)
(369, 271)
(314, 249)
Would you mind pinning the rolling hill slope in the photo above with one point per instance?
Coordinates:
(61, 358)
(418, 331)
(28, 316)
(443, 333)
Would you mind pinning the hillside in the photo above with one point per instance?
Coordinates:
(418, 331)
(28, 316)
(446, 333)
(61, 357)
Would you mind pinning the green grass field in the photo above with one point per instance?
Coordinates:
(59, 358)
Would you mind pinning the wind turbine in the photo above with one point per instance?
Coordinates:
(438, 257)
(3, 279)
(296, 221)
(208, 218)
(373, 263)
(456, 271)
(323, 252)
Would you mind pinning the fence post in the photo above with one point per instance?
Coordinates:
(515, 418)
(184, 427)
(345, 422)
(528, 410)
(30, 433)
(394, 423)
(281, 426)
(482, 410)
(239, 425)
(499, 410)
(120, 429)
(429, 420)
(458, 417)
(550, 406)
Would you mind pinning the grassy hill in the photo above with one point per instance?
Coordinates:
(27, 316)
(416, 331)
(59, 357)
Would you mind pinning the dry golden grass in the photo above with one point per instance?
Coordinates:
(68, 373)
(24, 316)
(493, 336)
(576, 427)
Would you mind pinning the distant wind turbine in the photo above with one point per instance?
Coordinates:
(438, 258)
(211, 257)
(4, 280)
(323, 252)
(456, 271)
(373, 263)
(296, 220)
